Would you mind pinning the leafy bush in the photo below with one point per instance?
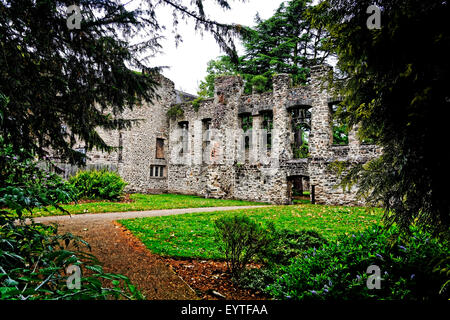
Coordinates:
(175, 111)
(33, 263)
(259, 83)
(196, 103)
(287, 244)
(240, 239)
(337, 270)
(34, 257)
(98, 184)
(258, 279)
(23, 185)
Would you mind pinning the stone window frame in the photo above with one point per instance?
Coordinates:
(184, 138)
(246, 124)
(158, 171)
(333, 106)
(120, 152)
(303, 118)
(267, 124)
(206, 137)
(160, 145)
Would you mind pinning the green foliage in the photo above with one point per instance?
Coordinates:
(337, 270)
(24, 186)
(285, 245)
(395, 87)
(247, 122)
(175, 111)
(259, 83)
(241, 239)
(81, 78)
(288, 244)
(302, 151)
(192, 235)
(196, 103)
(258, 279)
(339, 167)
(340, 135)
(222, 66)
(98, 184)
(443, 268)
(34, 259)
(284, 43)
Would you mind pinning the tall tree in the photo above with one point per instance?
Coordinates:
(221, 66)
(54, 75)
(285, 43)
(395, 88)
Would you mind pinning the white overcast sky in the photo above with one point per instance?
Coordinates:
(189, 60)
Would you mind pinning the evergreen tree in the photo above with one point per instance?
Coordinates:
(63, 81)
(285, 43)
(395, 88)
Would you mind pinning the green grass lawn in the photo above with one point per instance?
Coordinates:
(192, 235)
(144, 202)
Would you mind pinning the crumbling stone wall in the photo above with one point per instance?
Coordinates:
(207, 152)
(256, 173)
(137, 153)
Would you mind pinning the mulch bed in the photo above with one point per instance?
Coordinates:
(205, 277)
(209, 277)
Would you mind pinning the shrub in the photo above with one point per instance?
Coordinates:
(98, 184)
(287, 244)
(196, 103)
(259, 83)
(23, 185)
(175, 111)
(34, 257)
(240, 240)
(33, 263)
(258, 279)
(337, 270)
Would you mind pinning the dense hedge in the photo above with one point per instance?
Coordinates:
(98, 184)
(413, 267)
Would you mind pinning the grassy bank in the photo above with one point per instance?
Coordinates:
(192, 235)
(143, 202)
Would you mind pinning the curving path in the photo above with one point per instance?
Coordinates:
(120, 252)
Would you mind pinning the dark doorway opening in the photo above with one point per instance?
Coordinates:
(299, 189)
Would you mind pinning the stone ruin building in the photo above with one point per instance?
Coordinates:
(236, 146)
